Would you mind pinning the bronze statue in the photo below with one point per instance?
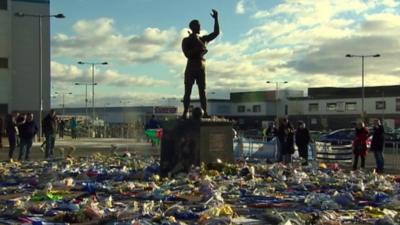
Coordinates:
(194, 48)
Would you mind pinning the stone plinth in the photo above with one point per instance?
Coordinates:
(191, 142)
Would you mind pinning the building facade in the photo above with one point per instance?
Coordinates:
(125, 114)
(252, 109)
(333, 108)
(325, 108)
(19, 56)
(322, 109)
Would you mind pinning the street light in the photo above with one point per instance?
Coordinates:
(277, 93)
(40, 16)
(63, 99)
(93, 64)
(86, 95)
(382, 92)
(124, 103)
(362, 77)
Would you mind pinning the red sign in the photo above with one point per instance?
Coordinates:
(165, 110)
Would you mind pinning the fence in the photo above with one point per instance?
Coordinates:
(258, 148)
(391, 155)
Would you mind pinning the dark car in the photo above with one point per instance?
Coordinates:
(315, 135)
(252, 133)
(342, 137)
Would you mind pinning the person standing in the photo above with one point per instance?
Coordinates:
(360, 145)
(377, 144)
(152, 124)
(1, 132)
(61, 128)
(73, 125)
(194, 48)
(303, 139)
(27, 132)
(285, 135)
(270, 132)
(19, 119)
(11, 131)
(50, 130)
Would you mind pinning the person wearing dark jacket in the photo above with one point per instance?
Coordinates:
(27, 132)
(11, 130)
(377, 144)
(270, 132)
(49, 124)
(285, 136)
(61, 128)
(302, 140)
(1, 132)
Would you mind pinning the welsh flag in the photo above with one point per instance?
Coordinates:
(154, 135)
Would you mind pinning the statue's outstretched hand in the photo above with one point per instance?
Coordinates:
(214, 14)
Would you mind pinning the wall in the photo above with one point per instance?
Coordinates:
(5, 43)
(25, 57)
(369, 106)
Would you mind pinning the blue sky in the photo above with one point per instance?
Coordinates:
(301, 41)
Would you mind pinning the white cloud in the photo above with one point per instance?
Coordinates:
(390, 3)
(99, 39)
(70, 74)
(240, 7)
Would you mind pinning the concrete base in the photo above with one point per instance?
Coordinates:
(191, 142)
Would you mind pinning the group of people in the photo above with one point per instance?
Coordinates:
(360, 144)
(287, 137)
(21, 130)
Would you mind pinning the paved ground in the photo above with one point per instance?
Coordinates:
(87, 146)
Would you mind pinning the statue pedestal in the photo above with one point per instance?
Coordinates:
(190, 142)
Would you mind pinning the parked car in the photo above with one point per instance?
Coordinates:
(342, 137)
(315, 135)
(252, 133)
(345, 137)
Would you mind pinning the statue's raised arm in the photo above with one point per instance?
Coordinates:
(215, 33)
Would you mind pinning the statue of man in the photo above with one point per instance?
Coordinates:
(194, 48)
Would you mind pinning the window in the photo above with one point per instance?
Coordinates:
(380, 105)
(313, 107)
(398, 104)
(3, 63)
(256, 108)
(3, 4)
(331, 106)
(340, 106)
(241, 108)
(351, 106)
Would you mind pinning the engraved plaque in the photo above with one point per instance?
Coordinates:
(216, 141)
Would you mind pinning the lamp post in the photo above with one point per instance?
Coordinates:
(39, 17)
(86, 95)
(277, 93)
(362, 78)
(382, 92)
(124, 103)
(63, 99)
(93, 83)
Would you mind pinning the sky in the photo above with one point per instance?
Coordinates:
(303, 42)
